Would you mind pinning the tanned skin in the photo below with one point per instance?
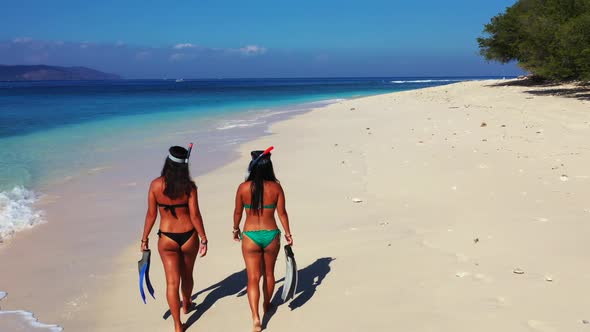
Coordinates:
(260, 263)
(178, 261)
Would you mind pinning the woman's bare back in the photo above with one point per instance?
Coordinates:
(168, 222)
(271, 200)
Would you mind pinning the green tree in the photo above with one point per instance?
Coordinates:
(549, 38)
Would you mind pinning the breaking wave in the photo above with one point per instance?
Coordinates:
(17, 212)
(425, 81)
(20, 320)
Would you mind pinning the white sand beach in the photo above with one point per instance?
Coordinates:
(456, 208)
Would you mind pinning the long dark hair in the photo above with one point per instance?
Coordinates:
(261, 171)
(176, 175)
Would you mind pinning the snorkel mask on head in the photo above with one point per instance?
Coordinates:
(181, 160)
(256, 160)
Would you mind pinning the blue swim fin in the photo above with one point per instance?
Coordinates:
(144, 274)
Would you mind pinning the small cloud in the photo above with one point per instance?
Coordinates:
(143, 55)
(181, 56)
(183, 46)
(252, 50)
(22, 40)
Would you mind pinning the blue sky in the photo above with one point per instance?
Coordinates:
(217, 38)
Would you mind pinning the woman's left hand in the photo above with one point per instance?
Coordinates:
(203, 249)
(289, 239)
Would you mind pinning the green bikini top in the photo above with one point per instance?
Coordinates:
(270, 206)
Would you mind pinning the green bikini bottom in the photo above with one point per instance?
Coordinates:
(262, 237)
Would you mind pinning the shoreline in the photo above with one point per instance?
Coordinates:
(353, 154)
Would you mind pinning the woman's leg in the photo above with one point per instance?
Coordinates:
(189, 254)
(170, 254)
(270, 258)
(253, 258)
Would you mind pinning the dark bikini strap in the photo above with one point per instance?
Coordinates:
(172, 208)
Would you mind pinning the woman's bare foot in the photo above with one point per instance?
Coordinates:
(257, 326)
(187, 306)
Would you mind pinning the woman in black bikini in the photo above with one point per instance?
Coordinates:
(174, 194)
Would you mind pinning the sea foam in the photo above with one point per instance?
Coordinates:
(25, 321)
(20, 320)
(231, 124)
(17, 212)
(424, 81)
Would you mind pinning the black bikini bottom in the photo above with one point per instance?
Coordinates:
(179, 238)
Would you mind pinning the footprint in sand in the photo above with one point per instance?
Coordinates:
(498, 301)
(427, 244)
(477, 276)
(461, 257)
(537, 325)
(483, 277)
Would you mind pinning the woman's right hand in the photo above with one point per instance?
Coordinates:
(237, 234)
(289, 239)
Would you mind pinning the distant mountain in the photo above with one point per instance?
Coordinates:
(52, 73)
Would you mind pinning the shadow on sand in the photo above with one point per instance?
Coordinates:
(235, 284)
(309, 278)
(575, 90)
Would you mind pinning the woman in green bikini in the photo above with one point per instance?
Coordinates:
(261, 195)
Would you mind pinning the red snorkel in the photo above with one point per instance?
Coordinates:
(267, 151)
(190, 147)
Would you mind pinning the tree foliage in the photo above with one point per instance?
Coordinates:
(549, 38)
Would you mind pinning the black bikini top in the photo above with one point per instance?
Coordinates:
(172, 208)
